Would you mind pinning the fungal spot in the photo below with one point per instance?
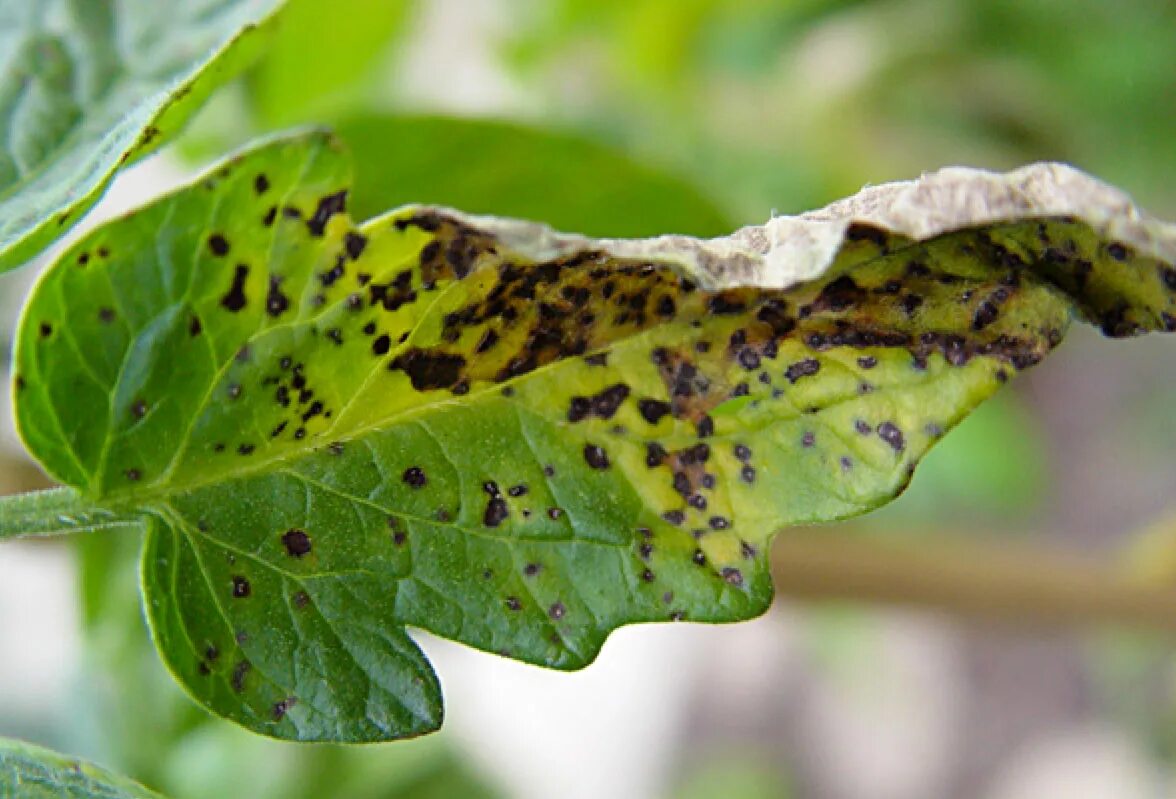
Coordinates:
(846, 463)
(595, 456)
(106, 315)
(867, 362)
(488, 340)
(245, 449)
(719, 523)
(805, 368)
(675, 517)
(234, 390)
(653, 410)
(557, 611)
(554, 513)
(513, 603)
(705, 427)
(276, 303)
(261, 184)
(747, 474)
(531, 569)
(381, 345)
(414, 476)
(496, 512)
(578, 409)
(235, 299)
(549, 471)
(139, 409)
(1117, 251)
(301, 599)
(732, 576)
(218, 244)
(808, 439)
(194, 326)
(354, 243)
(605, 404)
(240, 672)
(297, 542)
(429, 371)
(45, 330)
(862, 427)
(134, 475)
(726, 302)
(327, 207)
(281, 707)
(889, 433)
(241, 587)
(655, 454)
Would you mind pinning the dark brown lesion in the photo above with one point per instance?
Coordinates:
(955, 297)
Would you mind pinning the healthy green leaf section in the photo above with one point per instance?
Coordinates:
(32, 772)
(86, 87)
(512, 439)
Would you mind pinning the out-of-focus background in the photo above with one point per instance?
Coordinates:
(697, 116)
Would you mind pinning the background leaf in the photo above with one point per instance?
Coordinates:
(509, 169)
(317, 63)
(30, 772)
(512, 439)
(87, 87)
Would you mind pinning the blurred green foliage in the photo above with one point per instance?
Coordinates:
(507, 169)
(788, 105)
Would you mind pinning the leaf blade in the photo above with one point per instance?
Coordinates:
(506, 436)
(85, 91)
(32, 772)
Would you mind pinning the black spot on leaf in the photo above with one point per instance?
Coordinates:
(414, 476)
(234, 300)
(218, 244)
(327, 207)
(297, 542)
(595, 456)
(890, 433)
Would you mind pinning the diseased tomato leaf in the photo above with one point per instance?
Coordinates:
(31, 772)
(513, 438)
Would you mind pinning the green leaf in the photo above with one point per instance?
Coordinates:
(507, 169)
(86, 87)
(31, 772)
(286, 86)
(514, 438)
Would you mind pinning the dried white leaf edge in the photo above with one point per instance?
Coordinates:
(793, 249)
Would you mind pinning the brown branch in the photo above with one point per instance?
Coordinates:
(1000, 581)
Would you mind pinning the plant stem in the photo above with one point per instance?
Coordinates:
(57, 511)
(1005, 582)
